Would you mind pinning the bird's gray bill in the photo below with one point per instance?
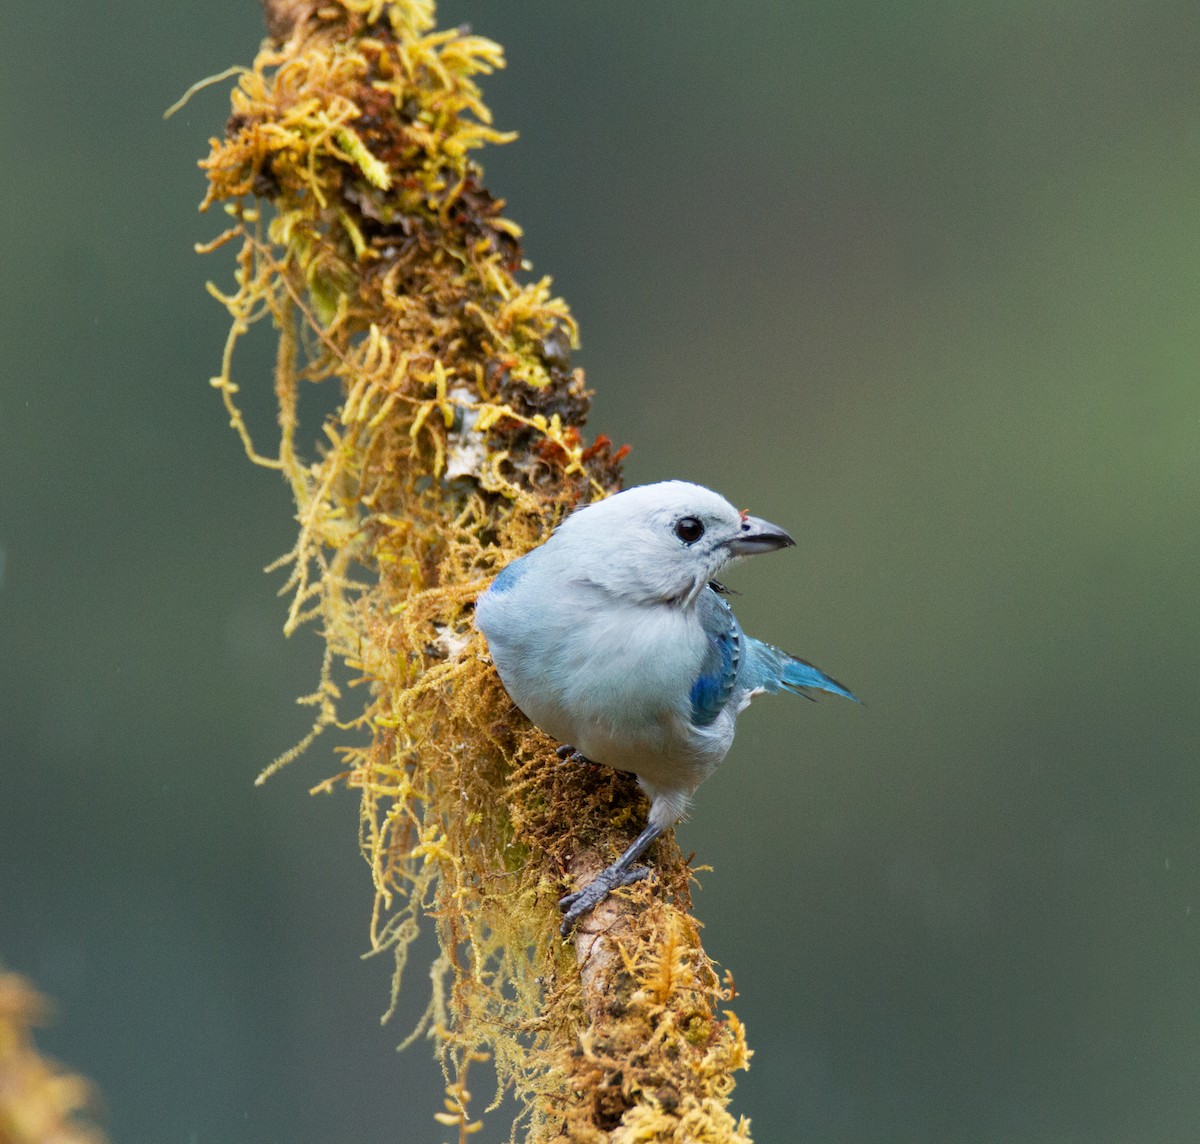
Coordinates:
(758, 535)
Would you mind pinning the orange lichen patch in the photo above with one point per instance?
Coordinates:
(39, 1102)
(367, 236)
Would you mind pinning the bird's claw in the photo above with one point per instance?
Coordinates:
(569, 754)
(578, 903)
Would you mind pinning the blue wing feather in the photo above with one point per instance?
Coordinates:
(713, 687)
(736, 661)
(510, 575)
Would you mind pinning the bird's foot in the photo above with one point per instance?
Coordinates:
(575, 905)
(568, 754)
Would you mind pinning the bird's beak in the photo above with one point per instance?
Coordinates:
(758, 536)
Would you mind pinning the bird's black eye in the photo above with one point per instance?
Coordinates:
(689, 529)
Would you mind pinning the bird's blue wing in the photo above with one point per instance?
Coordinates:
(714, 685)
(766, 668)
(510, 575)
(734, 661)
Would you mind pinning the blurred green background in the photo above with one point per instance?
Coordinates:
(918, 281)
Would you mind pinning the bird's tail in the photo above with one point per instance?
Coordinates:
(769, 669)
(799, 677)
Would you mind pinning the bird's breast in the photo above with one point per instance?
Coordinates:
(612, 679)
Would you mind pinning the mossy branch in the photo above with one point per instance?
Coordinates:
(367, 236)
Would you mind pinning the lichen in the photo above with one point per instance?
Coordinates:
(368, 238)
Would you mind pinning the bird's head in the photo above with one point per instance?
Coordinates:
(662, 542)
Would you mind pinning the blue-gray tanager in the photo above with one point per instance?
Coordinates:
(613, 637)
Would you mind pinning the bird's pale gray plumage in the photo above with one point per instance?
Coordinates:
(612, 638)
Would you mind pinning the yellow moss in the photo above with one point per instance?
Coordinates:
(39, 1102)
(390, 271)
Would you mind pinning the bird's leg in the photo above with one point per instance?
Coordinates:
(621, 873)
(568, 754)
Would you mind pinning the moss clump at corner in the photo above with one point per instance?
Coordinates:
(39, 1102)
(366, 235)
